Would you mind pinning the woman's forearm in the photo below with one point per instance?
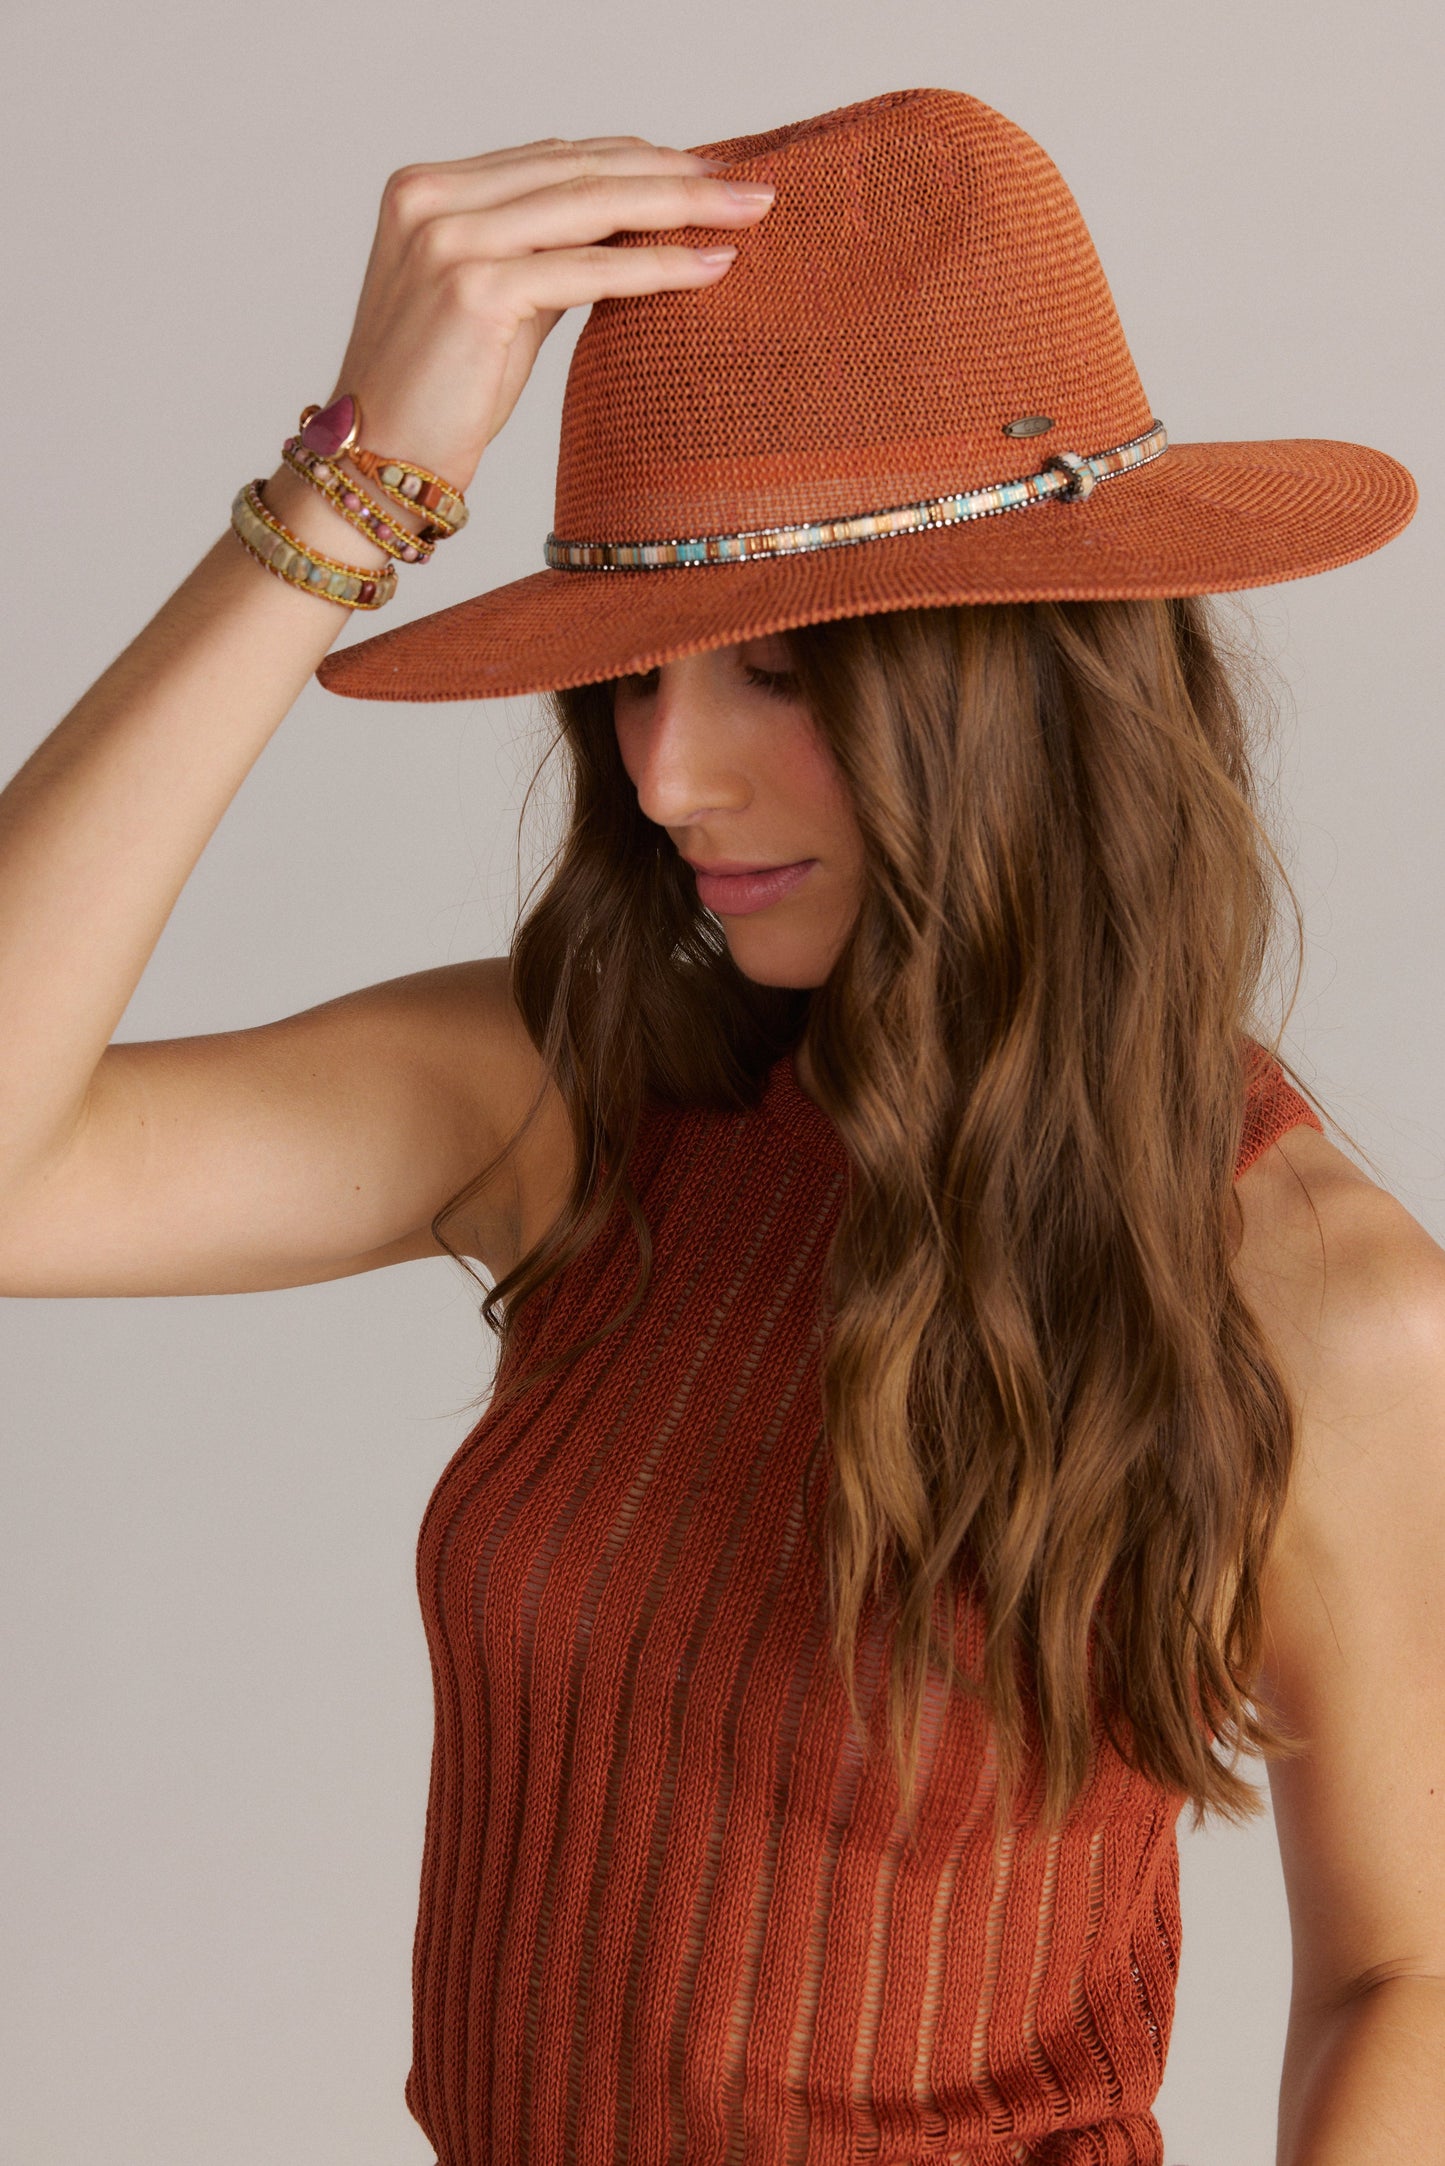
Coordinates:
(102, 825)
(1364, 2084)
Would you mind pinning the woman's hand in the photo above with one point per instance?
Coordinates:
(474, 261)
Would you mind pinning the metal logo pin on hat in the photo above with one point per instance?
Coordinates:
(838, 425)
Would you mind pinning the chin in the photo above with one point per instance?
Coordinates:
(783, 964)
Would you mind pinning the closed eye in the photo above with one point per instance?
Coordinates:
(781, 683)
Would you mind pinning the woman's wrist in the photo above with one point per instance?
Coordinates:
(312, 509)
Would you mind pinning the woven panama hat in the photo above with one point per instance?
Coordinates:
(911, 389)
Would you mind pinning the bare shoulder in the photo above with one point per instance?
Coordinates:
(473, 1098)
(526, 1117)
(1350, 1291)
(1338, 1272)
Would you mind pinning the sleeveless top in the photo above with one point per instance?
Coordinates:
(668, 1912)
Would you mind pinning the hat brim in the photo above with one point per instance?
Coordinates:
(1202, 519)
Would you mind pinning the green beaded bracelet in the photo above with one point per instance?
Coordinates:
(295, 561)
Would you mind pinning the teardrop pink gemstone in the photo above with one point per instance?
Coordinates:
(327, 431)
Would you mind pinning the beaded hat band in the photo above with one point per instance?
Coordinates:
(1065, 478)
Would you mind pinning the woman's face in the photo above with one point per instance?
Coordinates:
(724, 756)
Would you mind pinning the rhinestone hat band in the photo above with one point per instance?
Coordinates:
(1066, 478)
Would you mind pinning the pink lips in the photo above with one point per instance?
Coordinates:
(734, 894)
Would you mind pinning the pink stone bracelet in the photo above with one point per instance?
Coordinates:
(363, 511)
(334, 432)
(295, 561)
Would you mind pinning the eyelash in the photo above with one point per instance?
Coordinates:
(780, 682)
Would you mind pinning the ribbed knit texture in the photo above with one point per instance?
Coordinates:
(666, 1912)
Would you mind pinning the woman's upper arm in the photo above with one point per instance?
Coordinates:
(304, 1149)
(1355, 1614)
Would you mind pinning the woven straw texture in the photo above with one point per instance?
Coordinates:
(924, 278)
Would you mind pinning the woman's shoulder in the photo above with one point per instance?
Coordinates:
(1350, 1289)
(1342, 1278)
(1311, 1215)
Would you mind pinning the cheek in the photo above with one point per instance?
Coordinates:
(813, 783)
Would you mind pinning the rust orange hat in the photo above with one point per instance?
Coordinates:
(911, 389)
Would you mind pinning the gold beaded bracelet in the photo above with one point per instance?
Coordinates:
(334, 432)
(295, 561)
(414, 485)
(363, 511)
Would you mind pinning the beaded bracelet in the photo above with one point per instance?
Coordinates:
(293, 560)
(334, 432)
(363, 511)
(407, 484)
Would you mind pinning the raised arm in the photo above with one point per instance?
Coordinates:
(323, 1143)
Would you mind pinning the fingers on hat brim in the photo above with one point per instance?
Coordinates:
(1204, 519)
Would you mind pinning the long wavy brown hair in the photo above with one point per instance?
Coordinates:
(1039, 1380)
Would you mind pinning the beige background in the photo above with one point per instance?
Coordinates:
(217, 1702)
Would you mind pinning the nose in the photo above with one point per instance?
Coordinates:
(675, 750)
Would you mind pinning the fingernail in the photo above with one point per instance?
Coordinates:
(751, 191)
(716, 255)
(710, 165)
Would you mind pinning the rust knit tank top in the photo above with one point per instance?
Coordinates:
(667, 1912)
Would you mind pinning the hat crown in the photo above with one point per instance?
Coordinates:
(923, 280)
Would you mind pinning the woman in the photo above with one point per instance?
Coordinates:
(949, 1382)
